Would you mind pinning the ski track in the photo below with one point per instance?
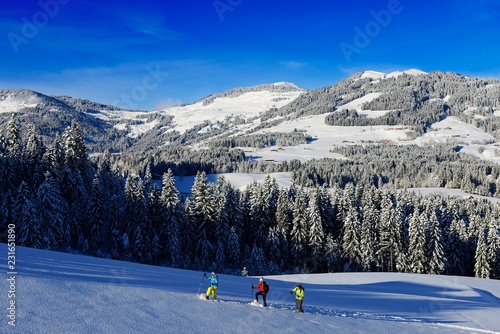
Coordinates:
(311, 310)
(319, 311)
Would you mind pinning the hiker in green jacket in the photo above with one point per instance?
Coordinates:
(299, 296)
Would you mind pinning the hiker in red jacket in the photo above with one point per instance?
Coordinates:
(264, 288)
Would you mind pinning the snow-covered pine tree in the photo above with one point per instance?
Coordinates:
(95, 215)
(169, 193)
(258, 263)
(51, 208)
(351, 240)
(368, 237)
(456, 245)
(434, 247)
(143, 233)
(74, 146)
(156, 220)
(202, 214)
(129, 218)
(493, 252)
(28, 222)
(284, 217)
(481, 266)
(170, 229)
(13, 139)
(299, 231)
(223, 206)
(390, 244)
(233, 249)
(326, 210)
(270, 193)
(416, 248)
(316, 235)
(32, 157)
(258, 207)
(74, 191)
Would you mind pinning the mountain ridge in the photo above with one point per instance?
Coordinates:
(411, 97)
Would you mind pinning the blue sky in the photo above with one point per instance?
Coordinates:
(150, 54)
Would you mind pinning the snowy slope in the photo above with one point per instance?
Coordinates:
(358, 103)
(64, 293)
(247, 105)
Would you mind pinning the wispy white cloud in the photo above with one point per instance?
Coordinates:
(293, 65)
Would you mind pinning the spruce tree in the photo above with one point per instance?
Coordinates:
(316, 236)
(28, 222)
(368, 237)
(74, 146)
(416, 248)
(51, 208)
(455, 250)
(481, 266)
(299, 231)
(95, 215)
(434, 247)
(351, 241)
(233, 249)
(202, 215)
(390, 236)
(493, 253)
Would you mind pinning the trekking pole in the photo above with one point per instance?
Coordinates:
(200, 284)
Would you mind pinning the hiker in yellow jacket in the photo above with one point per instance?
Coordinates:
(299, 296)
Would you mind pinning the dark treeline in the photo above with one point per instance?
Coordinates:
(418, 121)
(263, 140)
(406, 166)
(388, 166)
(59, 199)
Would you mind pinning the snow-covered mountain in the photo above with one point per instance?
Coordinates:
(404, 107)
(65, 293)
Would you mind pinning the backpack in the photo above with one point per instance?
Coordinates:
(266, 287)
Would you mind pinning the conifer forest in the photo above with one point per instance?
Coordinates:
(337, 216)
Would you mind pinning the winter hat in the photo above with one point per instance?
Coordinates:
(213, 274)
(298, 285)
(261, 279)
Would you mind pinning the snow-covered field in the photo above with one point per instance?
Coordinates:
(325, 136)
(65, 293)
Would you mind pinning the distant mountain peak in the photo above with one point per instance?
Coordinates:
(287, 84)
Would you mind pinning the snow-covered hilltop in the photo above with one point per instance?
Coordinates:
(15, 101)
(244, 103)
(380, 75)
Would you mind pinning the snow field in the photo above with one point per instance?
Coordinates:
(65, 293)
